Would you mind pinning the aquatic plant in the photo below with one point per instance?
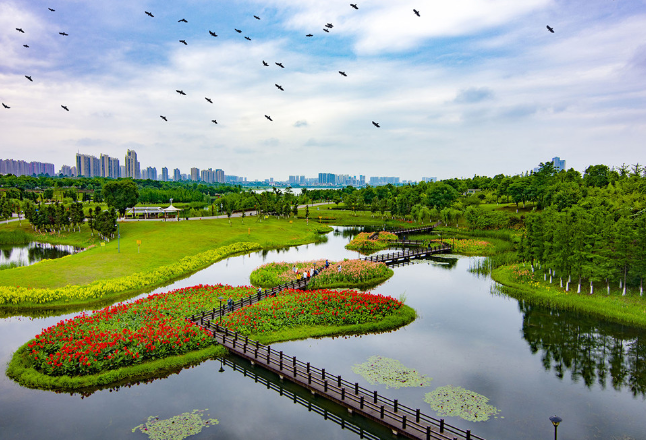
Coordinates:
(363, 243)
(458, 402)
(177, 427)
(390, 372)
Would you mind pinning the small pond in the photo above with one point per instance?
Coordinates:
(27, 254)
(530, 362)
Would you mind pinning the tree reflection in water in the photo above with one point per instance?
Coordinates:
(591, 349)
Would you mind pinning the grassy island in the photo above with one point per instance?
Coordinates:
(149, 254)
(364, 244)
(151, 336)
(347, 273)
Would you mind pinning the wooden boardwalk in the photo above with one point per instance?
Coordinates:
(400, 419)
(418, 230)
(408, 254)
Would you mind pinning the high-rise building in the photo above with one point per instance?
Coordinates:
(22, 168)
(149, 173)
(559, 165)
(207, 176)
(177, 175)
(66, 171)
(132, 165)
(219, 176)
(195, 174)
(429, 179)
(88, 166)
(327, 179)
(164, 174)
(109, 166)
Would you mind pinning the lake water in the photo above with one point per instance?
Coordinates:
(530, 362)
(34, 252)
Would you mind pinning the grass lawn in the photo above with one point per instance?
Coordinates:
(162, 243)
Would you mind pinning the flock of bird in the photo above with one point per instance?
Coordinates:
(326, 29)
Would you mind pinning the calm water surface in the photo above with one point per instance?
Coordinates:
(34, 252)
(530, 362)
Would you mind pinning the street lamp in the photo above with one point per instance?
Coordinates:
(220, 298)
(555, 421)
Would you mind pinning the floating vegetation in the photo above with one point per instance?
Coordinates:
(177, 427)
(390, 372)
(456, 401)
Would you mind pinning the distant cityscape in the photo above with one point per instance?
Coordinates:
(110, 167)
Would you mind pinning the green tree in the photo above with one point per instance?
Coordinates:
(121, 195)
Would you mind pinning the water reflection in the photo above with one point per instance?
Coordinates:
(327, 409)
(25, 255)
(591, 350)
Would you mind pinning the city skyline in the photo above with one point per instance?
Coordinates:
(470, 87)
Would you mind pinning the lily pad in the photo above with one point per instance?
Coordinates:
(456, 401)
(176, 428)
(390, 372)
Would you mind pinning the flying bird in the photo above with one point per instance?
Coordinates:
(416, 12)
(256, 17)
(268, 117)
(163, 117)
(20, 30)
(209, 100)
(238, 31)
(309, 35)
(181, 92)
(550, 29)
(213, 34)
(279, 87)
(342, 73)
(326, 30)
(214, 121)
(65, 107)
(63, 34)
(375, 124)
(280, 64)
(24, 45)
(354, 6)
(29, 78)
(264, 63)
(5, 105)
(51, 9)
(329, 26)
(149, 14)
(183, 41)
(247, 38)
(183, 20)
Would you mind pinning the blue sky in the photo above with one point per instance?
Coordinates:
(469, 87)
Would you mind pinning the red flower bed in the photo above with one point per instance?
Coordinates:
(126, 334)
(293, 308)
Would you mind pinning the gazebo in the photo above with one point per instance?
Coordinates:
(171, 210)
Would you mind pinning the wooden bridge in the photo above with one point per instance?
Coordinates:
(400, 419)
(417, 230)
(409, 254)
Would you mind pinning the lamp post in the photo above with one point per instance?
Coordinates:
(220, 298)
(555, 421)
(221, 370)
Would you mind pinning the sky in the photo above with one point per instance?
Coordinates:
(467, 87)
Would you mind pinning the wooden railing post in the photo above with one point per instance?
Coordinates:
(441, 426)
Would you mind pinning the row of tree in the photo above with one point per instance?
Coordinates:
(593, 240)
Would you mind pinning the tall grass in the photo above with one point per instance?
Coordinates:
(484, 266)
(15, 236)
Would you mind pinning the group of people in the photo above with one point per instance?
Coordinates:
(311, 272)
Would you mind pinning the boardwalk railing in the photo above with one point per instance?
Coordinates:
(217, 312)
(401, 419)
(395, 257)
(307, 400)
(415, 230)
